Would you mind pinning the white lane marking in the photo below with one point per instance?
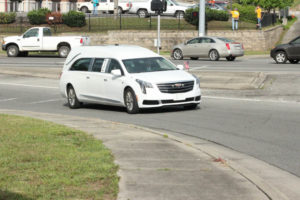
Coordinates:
(196, 68)
(45, 101)
(248, 99)
(2, 100)
(25, 85)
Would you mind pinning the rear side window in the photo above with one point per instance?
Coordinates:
(97, 66)
(46, 32)
(81, 65)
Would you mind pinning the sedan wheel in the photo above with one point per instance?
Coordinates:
(131, 102)
(280, 57)
(214, 55)
(177, 54)
(12, 51)
(72, 98)
(294, 61)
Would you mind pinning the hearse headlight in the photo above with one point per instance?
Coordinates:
(144, 85)
(197, 80)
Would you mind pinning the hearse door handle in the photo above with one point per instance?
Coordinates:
(87, 77)
(105, 79)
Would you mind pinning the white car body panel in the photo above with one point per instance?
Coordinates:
(105, 5)
(146, 5)
(44, 43)
(106, 88)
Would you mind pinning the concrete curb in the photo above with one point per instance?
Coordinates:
(270, 191)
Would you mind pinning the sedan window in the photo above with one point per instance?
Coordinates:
(97, 65)
(296, 41)
(193, 41)
(140, 65)
(81, 65)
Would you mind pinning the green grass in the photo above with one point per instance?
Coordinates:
(42, 160)
(296, 3)
(257, 52)
(227, 25)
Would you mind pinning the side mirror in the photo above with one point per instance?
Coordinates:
(180, 67)
(116, 72)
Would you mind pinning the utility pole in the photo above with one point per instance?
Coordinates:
(201, 31)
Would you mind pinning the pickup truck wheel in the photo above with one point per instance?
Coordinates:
(142, 13)
(120, 10)
(12, 51)
(63, 51)
(84, 9)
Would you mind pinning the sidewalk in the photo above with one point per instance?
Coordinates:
(154, 166)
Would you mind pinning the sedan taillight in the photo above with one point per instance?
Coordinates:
(81, 41)
(228, 46)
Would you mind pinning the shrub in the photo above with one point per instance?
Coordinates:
(247, 12)
(74, 19)
(38, 16)
(7, 18)
(191, 15)
(57, 18)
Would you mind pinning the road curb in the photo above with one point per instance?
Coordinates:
(271, 192)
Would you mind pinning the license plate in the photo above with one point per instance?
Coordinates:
(179, 97)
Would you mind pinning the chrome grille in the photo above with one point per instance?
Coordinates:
(176, 87)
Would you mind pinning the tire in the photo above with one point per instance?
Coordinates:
(63, 51)
(230, 58)
(177, 54)
(130, 101)
(142, 13)
(194, 58)
(12, 51)
(293, 61)
(84, 9)
(120, 10)
(72, 98)
(280, 57)
(191, 106)
(179, 14)
(213, 55)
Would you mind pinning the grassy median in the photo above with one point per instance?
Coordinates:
(42, 160)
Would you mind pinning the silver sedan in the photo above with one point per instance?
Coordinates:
(213, 48)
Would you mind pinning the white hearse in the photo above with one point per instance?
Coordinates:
(40, 39)
(104, 6)
(126, 76)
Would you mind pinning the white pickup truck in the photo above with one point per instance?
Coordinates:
(105, 6)
(143, 8)
(40, 39)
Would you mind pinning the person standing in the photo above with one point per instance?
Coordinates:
(258, 14)
(95, 7)
(235, 14)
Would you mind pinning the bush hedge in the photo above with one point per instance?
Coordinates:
(38, 16)
(247, 12)
(74, 19)
(7, 18)
(191, 15)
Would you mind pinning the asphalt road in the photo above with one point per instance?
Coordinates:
(251, 64)
(268, 131)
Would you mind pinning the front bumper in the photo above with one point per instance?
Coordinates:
(155, 98)
(3, 47)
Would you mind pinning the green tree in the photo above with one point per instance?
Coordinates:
(269, 4)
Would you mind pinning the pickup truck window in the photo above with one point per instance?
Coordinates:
(31, 33)
(81, 65)
(46, 32)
